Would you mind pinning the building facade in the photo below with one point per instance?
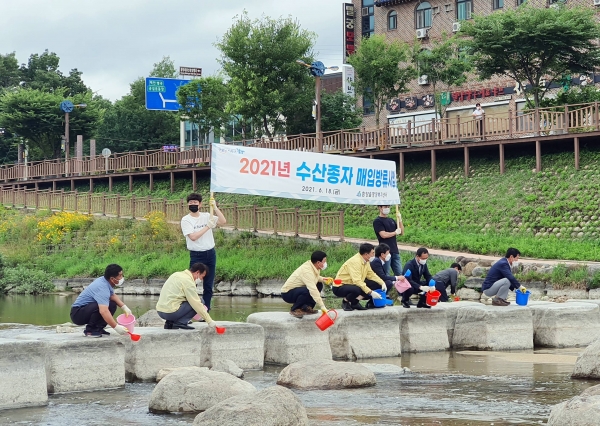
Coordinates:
(422, 22)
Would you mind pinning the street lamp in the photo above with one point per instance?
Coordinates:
(317, 69)
(67, 107)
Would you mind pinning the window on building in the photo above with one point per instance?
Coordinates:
(497, 4)
(423, 15)
(520, 2)
(392, 20)
(464, 8)
(367, 13)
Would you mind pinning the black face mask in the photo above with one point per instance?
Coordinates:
(193, 208)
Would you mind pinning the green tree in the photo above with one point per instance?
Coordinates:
(203, 102)
(338, 111)
(445, 63)
(41, 72)
(267, 86)
(530, 44)
(10, 75)
(129, 126)
(381, 70)
(35, 115)
(574, 95)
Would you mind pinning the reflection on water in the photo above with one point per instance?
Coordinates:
(446, 389)
(54, 308)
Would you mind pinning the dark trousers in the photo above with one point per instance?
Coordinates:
(408, 293)
(441, 287)
(209, 258)
(350, 292)
(89, 315)
(480, 127)
(300, 297)
(181, 316)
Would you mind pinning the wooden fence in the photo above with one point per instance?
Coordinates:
(540, 122)
(252, 218)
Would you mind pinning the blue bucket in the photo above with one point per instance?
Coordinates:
(380, 303)
(522, 298)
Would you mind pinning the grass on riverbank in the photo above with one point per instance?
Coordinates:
(554, 214)
(77, 245)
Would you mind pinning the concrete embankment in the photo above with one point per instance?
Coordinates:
(41, 363)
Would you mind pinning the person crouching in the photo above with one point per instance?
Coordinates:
(358, 280)
(303, 288)
(178, 302)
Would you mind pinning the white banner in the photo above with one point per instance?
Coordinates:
(303, 175)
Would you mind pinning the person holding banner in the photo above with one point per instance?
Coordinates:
(358, 280)
(197, 228)
(387, 229)
(303, 288)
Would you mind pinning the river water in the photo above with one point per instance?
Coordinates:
(54, 309)
(446, 389)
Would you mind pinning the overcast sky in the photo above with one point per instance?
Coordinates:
(115, 41)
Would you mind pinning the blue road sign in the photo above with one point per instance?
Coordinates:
(161, 93)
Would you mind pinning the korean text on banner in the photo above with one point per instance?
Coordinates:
(303, 175)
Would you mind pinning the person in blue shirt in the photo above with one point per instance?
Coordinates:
(499, 279)
(96, 305)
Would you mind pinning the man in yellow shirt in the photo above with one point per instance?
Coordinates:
(358, 280)
(303, 288)
(179, 302)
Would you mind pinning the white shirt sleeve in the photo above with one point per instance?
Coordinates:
(186, 226)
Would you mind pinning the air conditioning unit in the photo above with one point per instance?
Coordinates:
(455, 27)
(596, 2)
(422, 80)
(364, 11)
(422, 33)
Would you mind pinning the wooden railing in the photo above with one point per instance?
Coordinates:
(252, 218)
(539, 122)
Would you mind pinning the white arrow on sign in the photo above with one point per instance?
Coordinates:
(165, 101)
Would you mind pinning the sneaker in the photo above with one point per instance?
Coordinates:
(92, 334)
(298, 313)
(346, 306)
(309, 311)
(499, 302)
(406, 304)
(104, 332)
(423, 305)
(370, 305)
(357, 306)
(168, 325)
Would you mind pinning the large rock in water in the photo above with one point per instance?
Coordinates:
(582, 410)
(274, 406)
(192, 391)
(324, 374)
(588, 363)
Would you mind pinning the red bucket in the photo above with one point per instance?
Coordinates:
(325, 321)
(433, 297)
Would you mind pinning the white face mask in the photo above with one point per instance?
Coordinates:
(371, 258)
(422, 261)
(324, 266)
(198, 281)
(515, 264)
(388, 257)
(385, 210)
(121, 281)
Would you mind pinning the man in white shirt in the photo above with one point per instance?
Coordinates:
(478, 116)
(197, 228)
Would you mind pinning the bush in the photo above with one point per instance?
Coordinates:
(25, 280)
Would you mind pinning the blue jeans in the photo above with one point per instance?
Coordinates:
(209, 258)
(395, 263)
(183, 315)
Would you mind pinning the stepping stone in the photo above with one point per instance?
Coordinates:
(563, 325)
(423, 330)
